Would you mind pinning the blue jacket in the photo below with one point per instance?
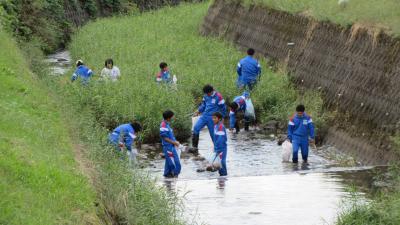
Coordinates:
(166, 132)
(248, 69)
(128, 135)
(300, 127)
(212, 104)
(83, 72)
(165, 76)
(241, 101)
(220, 139)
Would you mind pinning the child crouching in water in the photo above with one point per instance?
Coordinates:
(220, 141)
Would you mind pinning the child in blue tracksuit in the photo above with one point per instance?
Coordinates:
(212, 102)
(248, 70)
(238, 105)
(220, 141)
(82, 71)
(124, 136)
(164, 75)
(172, 166)
(300, 132)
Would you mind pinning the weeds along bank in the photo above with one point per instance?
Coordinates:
(125, 196)
(384, 209)
(40, 182)
(41, 179)
(382, 14)
(48, 24)
(139, 43)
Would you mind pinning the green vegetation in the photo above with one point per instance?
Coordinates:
(372, 13)
(126, 195)
(49, 23)
(385, 209)
(40, 182)
(141, 42)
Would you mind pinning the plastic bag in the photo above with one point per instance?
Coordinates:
(250, 112)
(214, 160)
(132, 156)
(286, 151)
(180, 149)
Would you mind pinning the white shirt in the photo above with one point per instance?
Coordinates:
(111, 74)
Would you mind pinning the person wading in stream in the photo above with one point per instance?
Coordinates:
(172, 166)
(212, 102)
(300, 132)
(238, 105)
(249, 71)
(82, 71)
(124, 136)
(220, 141)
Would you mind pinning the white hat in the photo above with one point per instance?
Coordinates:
(79, 61)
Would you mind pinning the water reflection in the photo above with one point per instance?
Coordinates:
(249, 154)
(221, 181)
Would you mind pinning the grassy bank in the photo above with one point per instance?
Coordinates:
(379, 14)
(49, 23)
(384, 209)
(40, 182)
(125, 195)
(140, 43)
(137, 46)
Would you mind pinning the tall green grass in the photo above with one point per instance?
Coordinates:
(373, 13)
(40, 182)
(139, 43)
(384, 209)
(125, 195)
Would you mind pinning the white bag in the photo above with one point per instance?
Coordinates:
(132, 156)
(286, 151)
(250, 112)
(214, 160)
(180, 149)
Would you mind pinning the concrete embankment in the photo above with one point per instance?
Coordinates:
(357, 69)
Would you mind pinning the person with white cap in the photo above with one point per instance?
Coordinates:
(82, 71)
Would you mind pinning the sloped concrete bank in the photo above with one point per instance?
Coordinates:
(357, 69)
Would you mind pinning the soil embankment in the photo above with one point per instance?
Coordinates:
(358, 69)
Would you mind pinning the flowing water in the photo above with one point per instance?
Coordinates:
(60, 62)
(260, 188)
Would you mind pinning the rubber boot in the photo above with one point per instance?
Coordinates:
(246, 125)
(195, 145)
(237, 128)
